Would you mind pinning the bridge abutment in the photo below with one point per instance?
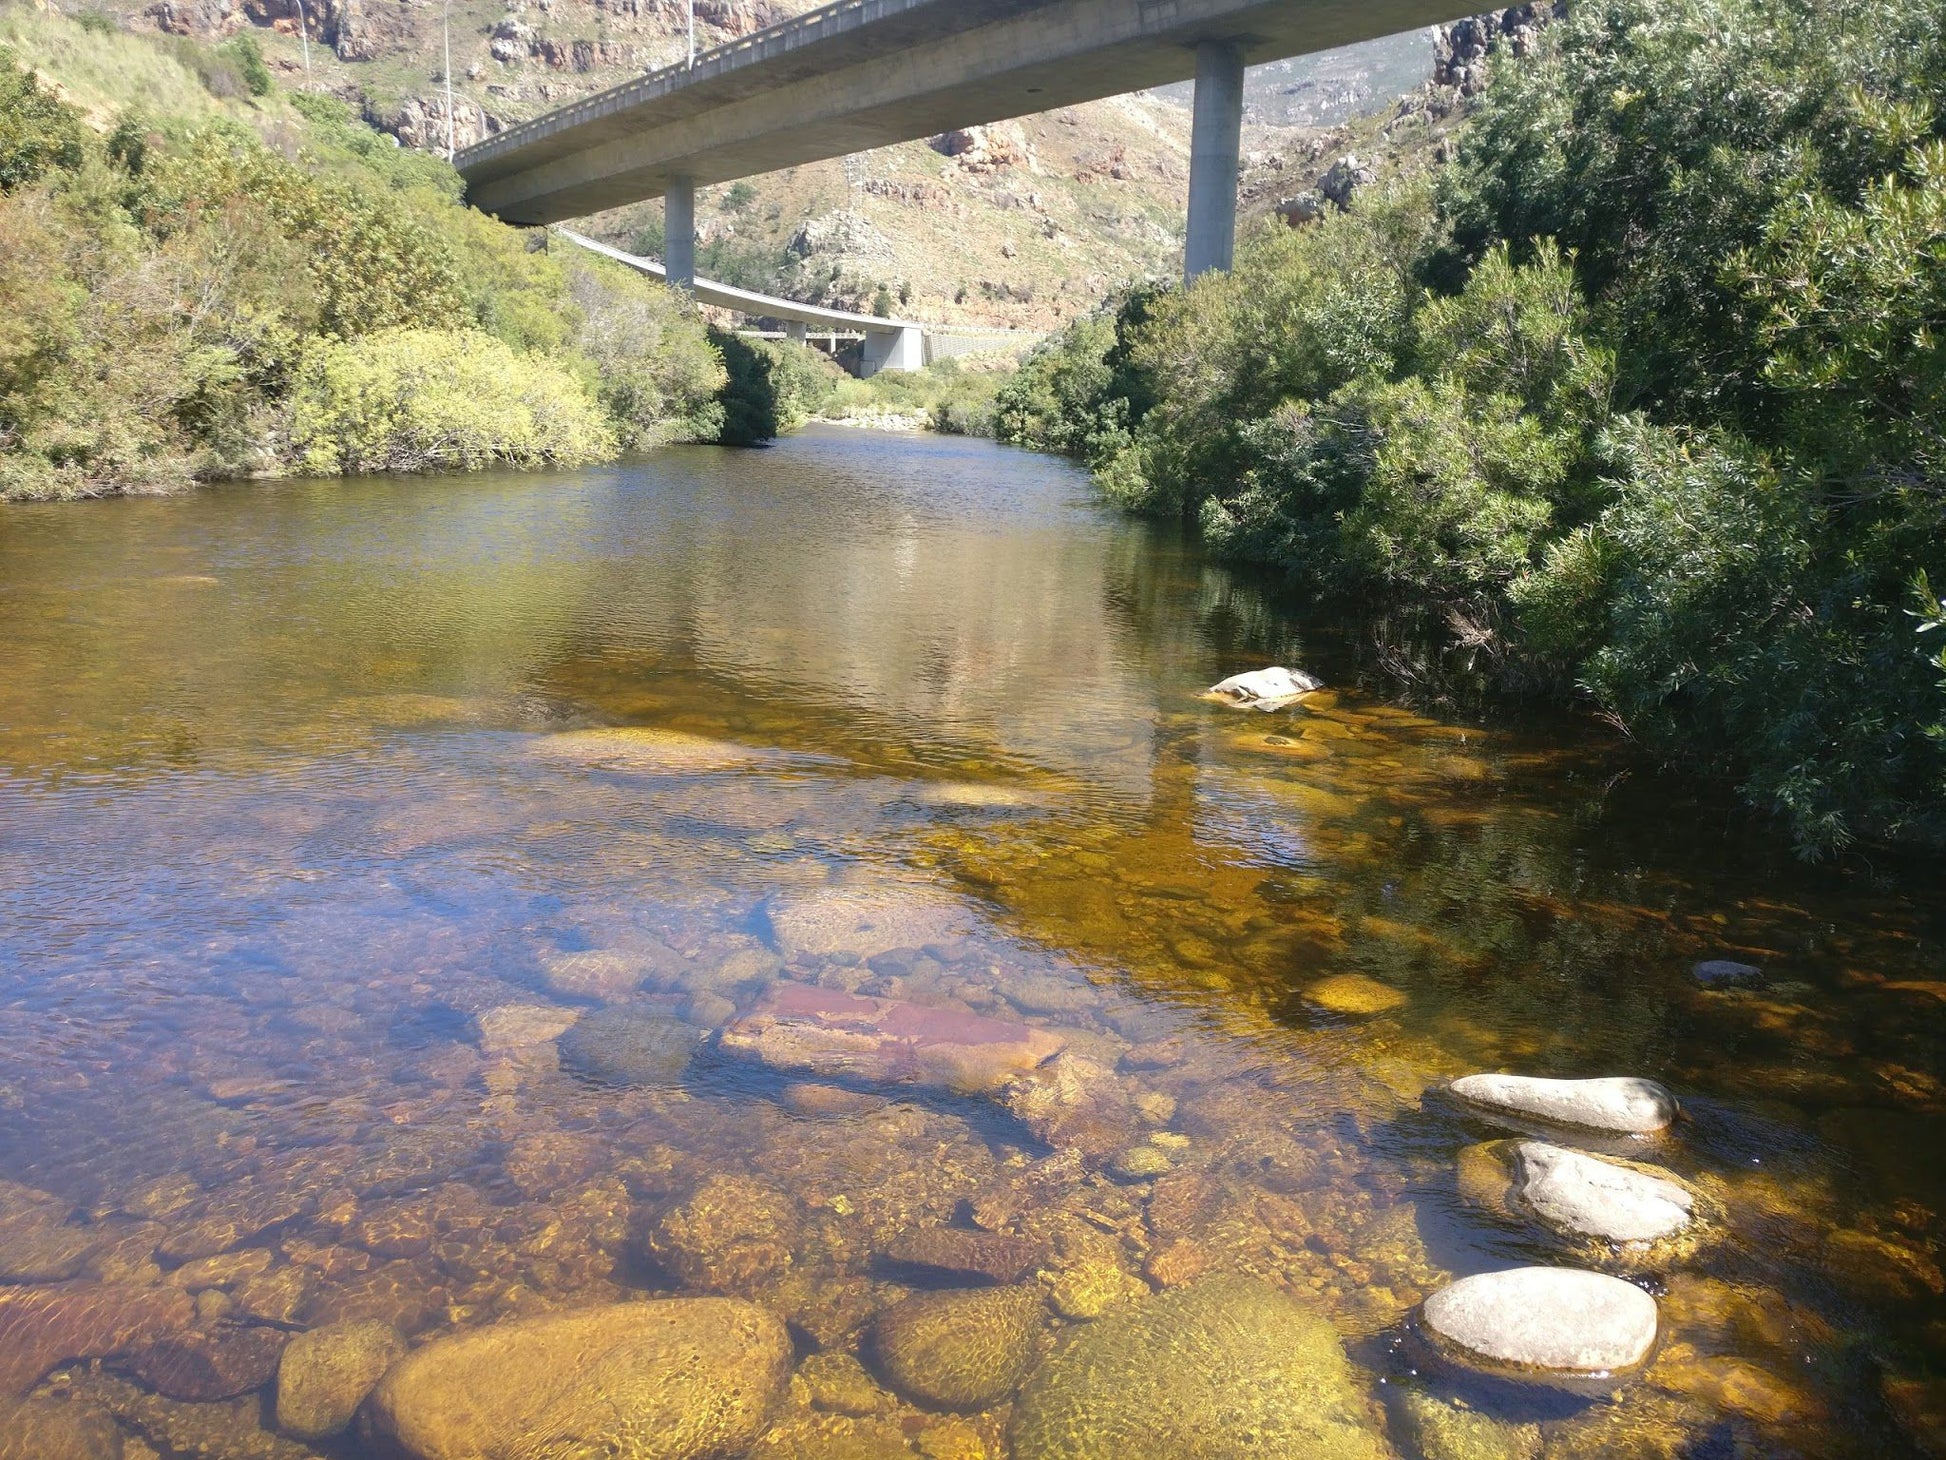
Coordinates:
(1215, 141)
(679, 234)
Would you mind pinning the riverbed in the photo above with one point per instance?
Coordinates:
(383, 862)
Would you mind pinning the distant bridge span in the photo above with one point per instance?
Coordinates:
(860, 74)
(890, 344)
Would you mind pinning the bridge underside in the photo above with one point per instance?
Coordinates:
(884, 72)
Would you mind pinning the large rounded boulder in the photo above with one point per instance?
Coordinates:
(669, 1379)
(1224, 1367)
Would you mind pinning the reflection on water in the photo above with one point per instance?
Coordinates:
(347, 977)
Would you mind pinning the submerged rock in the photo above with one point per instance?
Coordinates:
(1221, 1368)
(668, 1379)
(733, 1232)
(1580, 1195)
(1718, 973)
(1264, 689)
(1543, 1322)
(625, 1047)
(801, 1029)
(513, 1027)
(57, 1429)
(646, 749)
(201, 1365)
(868, 921)
(41, 1326)
(38, 1242)
(327, 1373)
(1353, 993)
(961, 1350)
(1438, 1429)
(951, 1252)
(1622, 1104)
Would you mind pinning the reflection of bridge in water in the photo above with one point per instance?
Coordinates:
(860, 74)
(889, 344)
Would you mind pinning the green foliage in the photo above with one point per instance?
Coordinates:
(752, 412)
(882, 302)
(371, 265)
(433, 399)
(951, 398)
(1667, 430)
(248, 58)
(96, 22)
(1080, 391)
(740, 196)
(38, 131)
(654, 367)
(183, 301)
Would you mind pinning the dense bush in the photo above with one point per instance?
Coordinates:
(184, 301)
(438, 400)
(1644, 401)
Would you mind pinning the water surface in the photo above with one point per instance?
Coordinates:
(293, 800)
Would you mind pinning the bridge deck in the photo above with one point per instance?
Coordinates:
(861, 74)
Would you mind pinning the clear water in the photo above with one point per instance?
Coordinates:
(283, 814)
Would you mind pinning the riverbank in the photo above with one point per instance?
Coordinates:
(1637, 401)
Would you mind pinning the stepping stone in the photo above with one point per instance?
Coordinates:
(1622, 1104)
(801, 1029)
(1585, 1196)
(1543, 1322)
(1263, 689)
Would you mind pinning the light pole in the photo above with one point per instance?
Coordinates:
(304, 36)
(446, 26)
(692, 35)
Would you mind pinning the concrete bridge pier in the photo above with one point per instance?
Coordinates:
(1215, 140)
(901, 348)
(796, 331)
(679, 234)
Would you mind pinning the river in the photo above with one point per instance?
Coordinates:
(381, 861)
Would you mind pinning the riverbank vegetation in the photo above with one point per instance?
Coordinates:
(258, 284)
(1640, 399)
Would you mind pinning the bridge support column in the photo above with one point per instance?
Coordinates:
(796, 331)
(679, 234)
(1216, 133)
(896, 349)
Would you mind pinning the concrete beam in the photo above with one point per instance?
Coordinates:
(679, 233)
(868, 73)
(1215, 139)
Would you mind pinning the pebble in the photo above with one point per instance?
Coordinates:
(1543, 1320)
(1621, 1104)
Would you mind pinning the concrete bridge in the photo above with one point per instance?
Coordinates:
(890, 344)
(861, 74)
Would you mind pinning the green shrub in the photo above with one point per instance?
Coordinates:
(655, 369)
(248, 58)
(38, 131)
(431, 399)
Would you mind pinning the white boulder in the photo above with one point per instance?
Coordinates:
(1264, 689)
(1584, 1196)
(1549, 1321)
(1618, 1103)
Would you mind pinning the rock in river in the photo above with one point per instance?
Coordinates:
(961, 1350)
(1579, 1195)
(626, 1047)
(1263, 689)
(952, 1252)
(325, 1375)
(868, 920)
(1225, 1367)
(802, 1029)
(1723, 973)
(1543, 1322)
(646, 749)
(668, 1379)
(1354, 994)
(1621, 1104)
(40, 1326)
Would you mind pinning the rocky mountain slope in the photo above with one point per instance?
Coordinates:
(1024, 223)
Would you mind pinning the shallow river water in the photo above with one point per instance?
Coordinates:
(381, 862)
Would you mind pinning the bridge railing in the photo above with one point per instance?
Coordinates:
(786, 35)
